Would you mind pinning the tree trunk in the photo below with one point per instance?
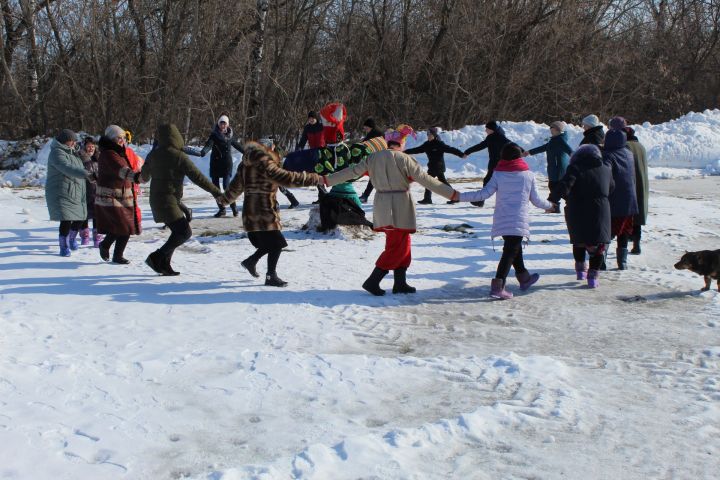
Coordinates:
(253, 125)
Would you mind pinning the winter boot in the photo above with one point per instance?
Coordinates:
(526, 279)
(233, 207)
(72, 240)
(479, 204)
(155, 261)
(293, 201)
(622, 254)
(400, 285)
(220, 213)
(372, 284)
(592, 278)
(120, 260)
(603, 264)
(636, 248)
(497, 289)
(64, 248)
(167, 268)
(249, 265)
(272, 280)
(581, 270)
(85, 237)
(97, 238)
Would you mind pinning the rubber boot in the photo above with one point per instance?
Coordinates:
(85, 237)
(272, 280)
(72, 240)
(97, 238)
(372, 284)
(526, 279)
(233, 207)
(400, 285)
(592, 278)
(497, 289)
(622, 254)
(64, 248)
(581, 270)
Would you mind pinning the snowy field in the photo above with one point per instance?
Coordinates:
(111, 372)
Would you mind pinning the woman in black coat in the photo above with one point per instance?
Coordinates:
(586, 187)
(221, 141)
(435, 149)
(494, 142)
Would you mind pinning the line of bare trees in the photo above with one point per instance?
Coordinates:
(84, 64)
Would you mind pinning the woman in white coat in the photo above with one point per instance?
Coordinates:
(515, 186)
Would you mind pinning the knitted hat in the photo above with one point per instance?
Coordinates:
(66, 135)
(591, 121)
(370, 123)
(434, 131)
(559, 125)
(223, 118)
(266, 142)
(312, 114)
(617, 123)
(511, 151)
(113, 131)
(492, 125)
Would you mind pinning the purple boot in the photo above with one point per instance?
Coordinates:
(72, 240)
(85, 237)
(64, 249)
(581, 270)
(592, 279)
(97, 238)
(526, 279)
(497, 289)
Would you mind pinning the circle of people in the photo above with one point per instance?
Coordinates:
(604, 184)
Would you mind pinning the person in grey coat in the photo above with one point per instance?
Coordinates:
(65, 190)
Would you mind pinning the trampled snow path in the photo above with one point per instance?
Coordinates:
(110, 372)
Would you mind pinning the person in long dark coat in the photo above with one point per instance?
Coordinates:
(115, 196)
(623, 200)
(642, 187)
(435, 149)
(221, 141)
(494, 142)
(586, 187)
(89, 156)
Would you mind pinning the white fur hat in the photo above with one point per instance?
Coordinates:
(224, 118)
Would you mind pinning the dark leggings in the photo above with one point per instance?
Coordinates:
(440, 176)
(511, 256)
(180, 233)
(272, 260)
(368, 189)
(120, 242)
(596, 253)
(67, 225)
(637, 233)
(622, 241)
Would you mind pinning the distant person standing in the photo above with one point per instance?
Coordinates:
(65, 190)
(221, 141)
(371, 131)
(313, 136)
(435, 149)
(593, 133)
(558, 153)
(642, 187)
(494, 142)
(89, 155)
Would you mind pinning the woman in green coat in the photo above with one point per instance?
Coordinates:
(642, 187)
(168, 166)
(65, 190)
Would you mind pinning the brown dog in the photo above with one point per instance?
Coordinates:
(705, 263)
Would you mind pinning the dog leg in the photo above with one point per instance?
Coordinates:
(708, 280)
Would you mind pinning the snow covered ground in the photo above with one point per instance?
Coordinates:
(111, 372)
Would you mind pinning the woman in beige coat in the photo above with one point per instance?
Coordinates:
(391, 172)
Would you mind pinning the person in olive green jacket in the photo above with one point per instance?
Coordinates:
(642, 187)
(65, 190)
(166, 167)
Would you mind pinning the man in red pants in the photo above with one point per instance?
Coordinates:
(392, 171)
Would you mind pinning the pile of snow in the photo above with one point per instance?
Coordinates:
(685, 147)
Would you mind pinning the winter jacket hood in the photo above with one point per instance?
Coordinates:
(615, 139)
(168, 136)
(515, 165)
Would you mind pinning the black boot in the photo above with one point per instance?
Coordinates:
(293, 201)
(249, 265)
(636, 248)
(372, 284)
(272, 280)
(104, 251)
(233, 207)
(622, 254)
(400, 285)
(155, 261)
(478, 204)
(220, 212)
(167, 268)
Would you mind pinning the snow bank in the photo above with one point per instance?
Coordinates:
(690, 143)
